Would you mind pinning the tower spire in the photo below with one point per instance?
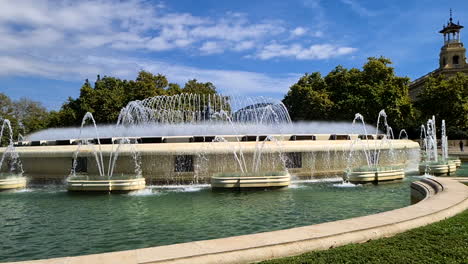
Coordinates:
(451, 19)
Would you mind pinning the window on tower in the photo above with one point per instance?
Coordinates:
(444, 61)
(455, 59)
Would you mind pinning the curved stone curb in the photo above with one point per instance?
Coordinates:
(444, 198)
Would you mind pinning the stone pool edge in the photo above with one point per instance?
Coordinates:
(441, 199)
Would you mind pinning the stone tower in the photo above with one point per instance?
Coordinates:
(452, 57)
(452, 54)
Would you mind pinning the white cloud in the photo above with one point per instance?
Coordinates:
(244, 45)
(124, 25)
(227, 81)
(313, 52)
(73, 40)
(211, 47)
(299, 31)
(358, 8)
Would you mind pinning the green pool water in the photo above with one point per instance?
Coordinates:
(46, 221)
(463, 170)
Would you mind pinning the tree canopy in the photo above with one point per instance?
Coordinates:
(110, 94)
(25, 116)
(344, 92)
(337, 96)
(446, 98)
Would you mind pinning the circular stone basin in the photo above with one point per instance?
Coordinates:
(12, 181)
(375, 174)
(438, 168)
(456, 160)
(83, 183)
(264, 180)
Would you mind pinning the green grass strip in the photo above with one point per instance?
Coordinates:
(442, 242)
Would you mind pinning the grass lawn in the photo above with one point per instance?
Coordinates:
(442, 242)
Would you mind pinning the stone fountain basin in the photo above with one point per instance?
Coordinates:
(8, 182)
(379, 174)
(456, 160)
(438, 168)
(266, 180)
(95, 184)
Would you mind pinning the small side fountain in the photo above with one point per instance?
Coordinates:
(105, 181)
(252, 178)
(432, 163)
(373, 172)
(13, 177)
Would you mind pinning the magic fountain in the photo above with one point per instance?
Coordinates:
(207, 138)
(178, 148)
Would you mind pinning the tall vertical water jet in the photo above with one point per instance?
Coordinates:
(432, 163)
(11, 175)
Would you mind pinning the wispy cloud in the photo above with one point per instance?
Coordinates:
(73, 40)
(79, 68)
(358, 8)
(299, 31)
(318, 51)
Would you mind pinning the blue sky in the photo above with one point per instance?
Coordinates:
(48, 48)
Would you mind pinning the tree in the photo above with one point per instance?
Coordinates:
(308, 99)
(446, 98)
(195, 87)
(30, 115)
(25, 116)
(146, 85)
(109, 95)
(343, 92)
(173, 89)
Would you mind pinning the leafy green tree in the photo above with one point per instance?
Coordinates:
(343, 92)
(25, 116)
(109, 98)
(146, 85)
(173, 89)
(308, 99)
(195, 87)
(446, 98)
(109, 95)
(30, 115)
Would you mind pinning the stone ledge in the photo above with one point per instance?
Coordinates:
(450, 198)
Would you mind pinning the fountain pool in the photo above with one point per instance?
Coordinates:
(46, 221)
(187, 139)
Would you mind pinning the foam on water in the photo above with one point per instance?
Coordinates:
(144, 192)
(346, 185)
(25, 190)
(182, 187)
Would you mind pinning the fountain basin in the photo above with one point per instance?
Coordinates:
(94, 184)
(375, 175)
(267, 180)
(12, 182)
(456, 160)
(438, 168)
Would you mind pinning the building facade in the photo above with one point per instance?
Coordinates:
(452, 57)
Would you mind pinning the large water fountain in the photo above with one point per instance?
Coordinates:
(11, 170)
(178, 146)
(197, 138)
